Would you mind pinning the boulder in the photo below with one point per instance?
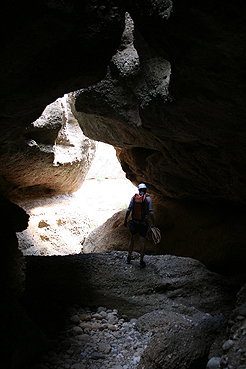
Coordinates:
(197, 229)
(178, 341)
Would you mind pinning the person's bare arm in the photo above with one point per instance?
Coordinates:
(151, 215)
(126, 217)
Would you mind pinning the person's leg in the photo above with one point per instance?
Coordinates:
(130, 248)
(142, 247)
(131, 245)
(142, 235)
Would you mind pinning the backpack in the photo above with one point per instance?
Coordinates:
(139, 209)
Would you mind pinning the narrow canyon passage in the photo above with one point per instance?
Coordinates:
(59, 225)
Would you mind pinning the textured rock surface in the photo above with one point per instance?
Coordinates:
(194, 229)
(20, 337)
(182, 133)
(96, 279)
(192, 125)
(176, 299)
(189, 350)
(50, 48)
(175, 111)
(53, 156)
(47, 49)
(172, 99)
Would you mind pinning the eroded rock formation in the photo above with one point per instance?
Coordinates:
(51, 157)
(172, 124)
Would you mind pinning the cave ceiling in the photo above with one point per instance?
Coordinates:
(168, 94)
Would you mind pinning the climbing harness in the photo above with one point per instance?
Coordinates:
(154, 234)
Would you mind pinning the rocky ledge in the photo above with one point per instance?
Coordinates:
(185, 312)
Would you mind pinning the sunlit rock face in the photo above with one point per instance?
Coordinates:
(53, 156)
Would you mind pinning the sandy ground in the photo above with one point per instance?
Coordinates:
(59, 225)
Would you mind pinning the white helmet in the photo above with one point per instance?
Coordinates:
(142, 186)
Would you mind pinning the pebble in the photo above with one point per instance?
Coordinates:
(97, 339)
(214, 363)
(227, 345)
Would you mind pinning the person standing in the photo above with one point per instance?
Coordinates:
(141, 209)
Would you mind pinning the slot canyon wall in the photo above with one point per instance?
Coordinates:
(168, 93)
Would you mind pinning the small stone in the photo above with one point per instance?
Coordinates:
(240, 318)
(75, 319)
(87, 330)
(97, 356)
(96, 326)
(97, 316)
(76, 330)
(136, 359)
(101, 309)
(77, 366)
(112, 327)
(84, 337)
(112, 319)
(227, 345)
(214, 363)
(85, 325)
(103, 314)
(85, 317)
(104, 347)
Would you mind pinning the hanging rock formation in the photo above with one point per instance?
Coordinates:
(52, 156)
(167, 105)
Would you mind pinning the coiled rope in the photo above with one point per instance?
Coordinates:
(154, 234)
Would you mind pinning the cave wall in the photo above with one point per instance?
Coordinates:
(176, 107)
(169, 95)
(168, 92)
(172, 103)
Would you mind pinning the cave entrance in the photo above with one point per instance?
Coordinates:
(60, 224)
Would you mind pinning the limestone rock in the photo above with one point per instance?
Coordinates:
(179, 341)
(52, 48)
(48, 49)
(178, 300)
(105, 278)
(167, 128)
(160, 110)
(197, 229)
(54, 156)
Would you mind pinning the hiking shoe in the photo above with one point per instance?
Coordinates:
(142, 264)
(128, 260)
